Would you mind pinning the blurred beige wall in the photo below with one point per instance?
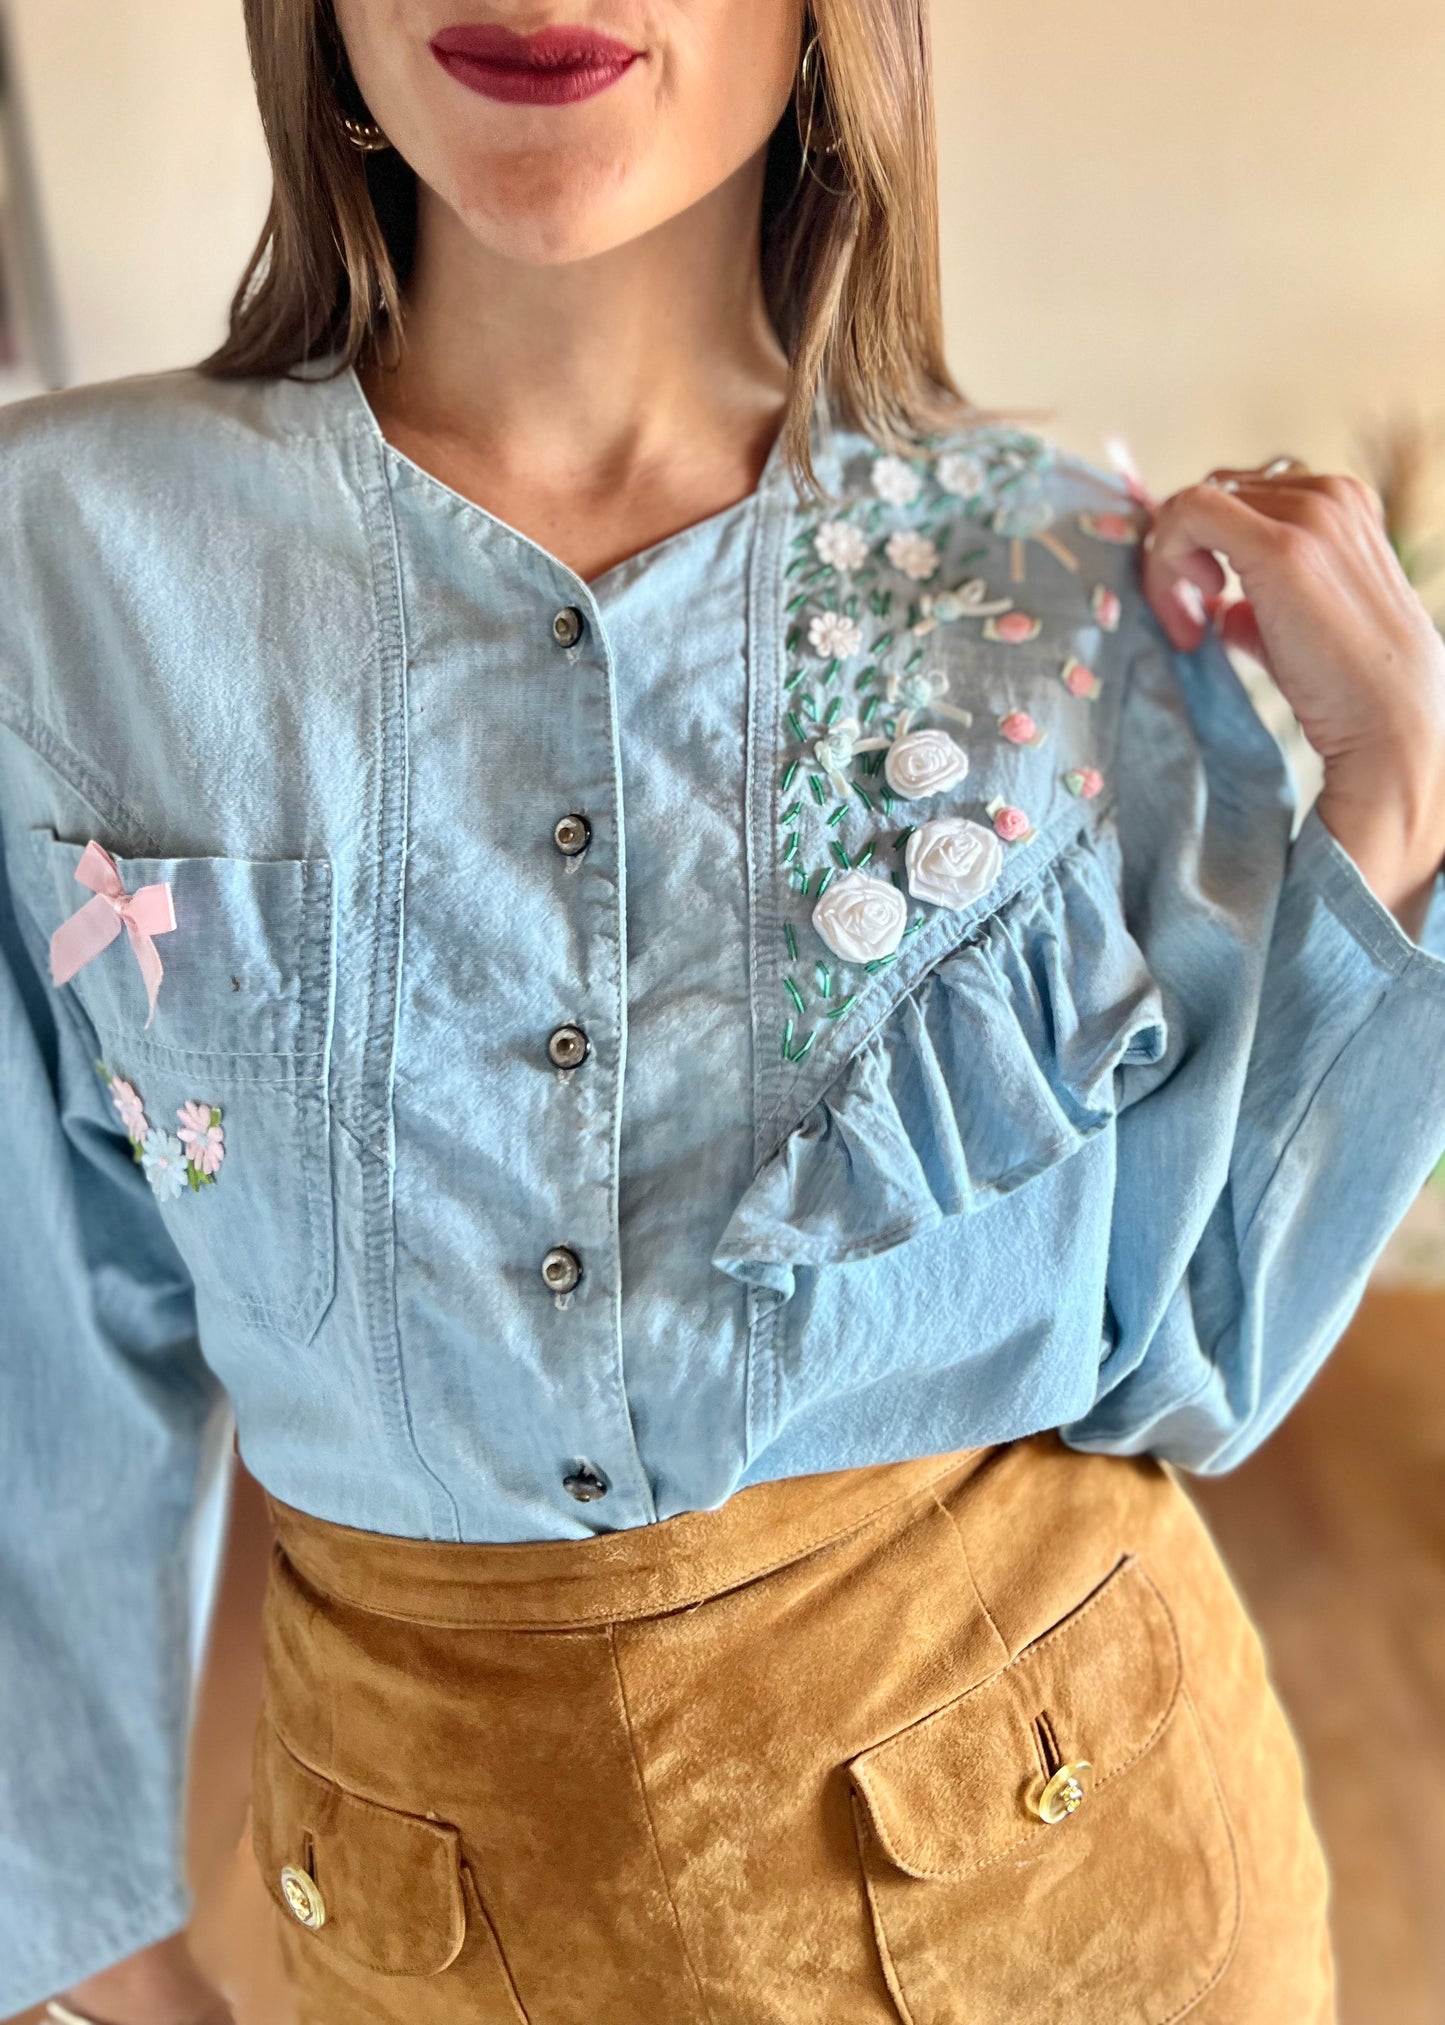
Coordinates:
(1219, 231)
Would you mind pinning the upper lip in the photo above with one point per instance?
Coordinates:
(558, 47)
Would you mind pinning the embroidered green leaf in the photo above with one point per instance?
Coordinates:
(888, 798)
(795, 995)
(851, 607)
(830, 673)
(840, 854)
(790, 773)
(798, 598)
(796, 728)
(915, 611)
(914, 925)
(864, 855)
(809, 703)
(837, 815)
(972, 556)
(863, 794)
(881, 962)
(865, 715)
(830, 715)
(820, 788)
(913, 660)
(825, 979)
(798, 1053)
(791, 939)
(790, 849)
(823, 881)
(791, 813)
(898, 879)
(193, 1175)
(903, 835)
(791, 639)
(868, 675)
(792, 681)
(883, 643)
(787, 1038)
(843, 1005)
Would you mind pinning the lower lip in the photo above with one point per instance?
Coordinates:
(525, 84)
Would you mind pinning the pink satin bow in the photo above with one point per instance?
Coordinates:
(149, 911)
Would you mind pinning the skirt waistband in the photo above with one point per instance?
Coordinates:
(640, 1571)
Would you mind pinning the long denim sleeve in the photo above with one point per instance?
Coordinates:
(104, 1403)
(834, 987)
(1264, 1163)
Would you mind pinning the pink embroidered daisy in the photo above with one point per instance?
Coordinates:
(129, 1108)
(1084, 781)
(201, 1133)
(1019, 729)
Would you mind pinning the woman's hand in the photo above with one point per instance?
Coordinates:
(1330, 613)
(160, 1985)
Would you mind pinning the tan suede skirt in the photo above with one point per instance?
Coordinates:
(982, 1739)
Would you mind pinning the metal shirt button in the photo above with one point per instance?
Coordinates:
(567, 626)
(568, 1046)
(561, 1269)
(572, 834)
(1064, 1794)
(303, 1897)
(585, 1483)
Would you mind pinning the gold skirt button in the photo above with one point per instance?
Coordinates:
(1064, 1794)
(303, 1897)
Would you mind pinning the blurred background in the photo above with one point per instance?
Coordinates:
(1213, 234)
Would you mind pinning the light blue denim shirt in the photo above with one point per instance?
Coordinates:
(943, 1032)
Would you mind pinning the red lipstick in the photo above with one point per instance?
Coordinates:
(552, 66)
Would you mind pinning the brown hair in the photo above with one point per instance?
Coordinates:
(849, 237)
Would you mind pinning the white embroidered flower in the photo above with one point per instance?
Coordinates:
(833, 636)
(912, 554)
(951, 861)
(924, 763)
(896, 481)
(841, 545)
(861, 918)
(961, 473)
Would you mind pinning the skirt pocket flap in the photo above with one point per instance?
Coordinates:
(962, 1787)
(377, 1886)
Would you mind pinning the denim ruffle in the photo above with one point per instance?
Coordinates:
(998, 1064)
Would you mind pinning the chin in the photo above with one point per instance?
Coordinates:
(549, 212)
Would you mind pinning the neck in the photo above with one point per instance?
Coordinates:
(626, 368)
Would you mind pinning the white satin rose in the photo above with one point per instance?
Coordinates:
(924, 763)
(861, 918)
(951, 861)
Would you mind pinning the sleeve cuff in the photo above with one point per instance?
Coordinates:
(1321, 858)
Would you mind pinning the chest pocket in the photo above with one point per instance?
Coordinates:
(241, 1028)
(1052, 1848)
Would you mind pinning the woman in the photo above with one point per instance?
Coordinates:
(723, 1073)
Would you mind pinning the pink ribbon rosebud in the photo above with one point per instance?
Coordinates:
(149, 911)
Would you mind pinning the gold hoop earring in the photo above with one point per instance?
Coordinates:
(364, 135)
(808, 79)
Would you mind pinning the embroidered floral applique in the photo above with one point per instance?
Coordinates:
(1019, 728)
(1084, 781)
(203, 1136)
(1013, 629)
(913, 555)
(872, 575)
(1079, 679)
(1118, 529)
(173, 1161)
(1010, 823)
